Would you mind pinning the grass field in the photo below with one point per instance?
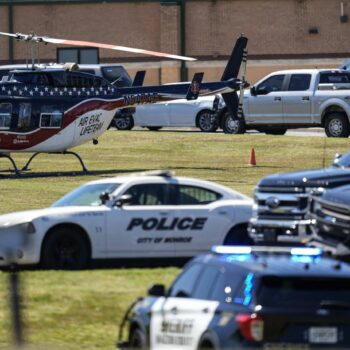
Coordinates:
(72, 310)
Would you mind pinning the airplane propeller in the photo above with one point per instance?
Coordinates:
(45, 39)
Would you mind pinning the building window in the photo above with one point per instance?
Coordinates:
(80, 55)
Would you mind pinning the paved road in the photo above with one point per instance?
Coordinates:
(315, 132)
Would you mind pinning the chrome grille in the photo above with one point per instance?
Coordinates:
(281, 203)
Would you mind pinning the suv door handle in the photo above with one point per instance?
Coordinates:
(306, 98)
(277, 98)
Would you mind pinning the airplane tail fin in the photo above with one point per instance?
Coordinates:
(238, 54)
(194, 89)
(139, 78)
(237, 58)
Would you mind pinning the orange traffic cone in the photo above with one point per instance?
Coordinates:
(252, 160)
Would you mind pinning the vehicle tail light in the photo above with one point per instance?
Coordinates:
(251, 326)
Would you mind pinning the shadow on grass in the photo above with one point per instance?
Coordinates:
(10, 174)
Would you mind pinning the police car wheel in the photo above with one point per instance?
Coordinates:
(137, 339)
(238, 236)
(65, 249)
(206, 345)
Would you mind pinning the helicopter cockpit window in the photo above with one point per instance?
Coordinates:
(79, 81)
(117, 75)
(5, 115)
(50, 117)
(24, 116)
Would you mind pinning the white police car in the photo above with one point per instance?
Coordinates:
(134, 216)
(246, 298)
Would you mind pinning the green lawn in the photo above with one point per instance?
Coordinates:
(75, 309)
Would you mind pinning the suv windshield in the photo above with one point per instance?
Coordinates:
(86, 195)
(310, 292)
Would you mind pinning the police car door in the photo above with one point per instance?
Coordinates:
(141, 228)
(181, 319)
(200, 226)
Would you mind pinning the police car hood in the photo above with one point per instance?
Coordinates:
(329, 177)
(57, 212)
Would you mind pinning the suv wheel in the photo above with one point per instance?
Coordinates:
(232, 124)
(124, 123)
(206, 121)
(337, 125)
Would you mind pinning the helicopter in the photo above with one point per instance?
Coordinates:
(53, 110)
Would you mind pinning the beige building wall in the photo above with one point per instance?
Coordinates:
(277, 29)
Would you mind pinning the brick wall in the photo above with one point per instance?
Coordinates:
(276, 29)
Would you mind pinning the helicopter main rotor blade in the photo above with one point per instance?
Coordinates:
(45, 39)
(115, 47)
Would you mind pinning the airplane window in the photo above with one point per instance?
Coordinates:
(25, 110)
(5, 115)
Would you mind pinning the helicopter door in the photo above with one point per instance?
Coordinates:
(51, 119)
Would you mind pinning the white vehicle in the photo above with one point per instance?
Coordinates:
(179, 113)
(297, 98)
(134, 216)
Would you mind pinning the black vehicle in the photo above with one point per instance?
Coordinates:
(247, 297)
(330, 213)
(281, 201)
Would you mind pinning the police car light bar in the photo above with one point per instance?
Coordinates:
(299, 251)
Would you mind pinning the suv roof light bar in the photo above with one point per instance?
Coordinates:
(296, 251)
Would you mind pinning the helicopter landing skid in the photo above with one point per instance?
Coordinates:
(15, 169)
(25, 168)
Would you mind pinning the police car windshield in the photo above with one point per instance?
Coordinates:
(291, 292)
(86, 195)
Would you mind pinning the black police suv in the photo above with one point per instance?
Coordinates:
(247, 297)
(330, 213)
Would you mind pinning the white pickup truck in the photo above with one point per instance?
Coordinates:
(296, 98)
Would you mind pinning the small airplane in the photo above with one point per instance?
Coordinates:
(54, 110)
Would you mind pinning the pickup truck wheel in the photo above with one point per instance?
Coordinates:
(232, 124)
(124, 123)
(275, 132)
(154, 128)
(238, 236)
(65, 249)
(206, 121)
(337, 125)
(137, 340)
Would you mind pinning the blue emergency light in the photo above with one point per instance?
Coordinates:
(247, 250)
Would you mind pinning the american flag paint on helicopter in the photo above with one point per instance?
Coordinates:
(53, 110)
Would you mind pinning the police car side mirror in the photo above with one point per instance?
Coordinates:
(104, 198)
(125, 199)
(337, 156)
(253, 91)
(156, 290)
